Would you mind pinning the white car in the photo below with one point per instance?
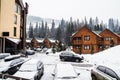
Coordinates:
(65, 72)
(106, 72)
(32, 70)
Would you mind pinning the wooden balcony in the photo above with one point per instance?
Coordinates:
(77, 42)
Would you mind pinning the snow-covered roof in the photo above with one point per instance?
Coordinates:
(51, 40)
(40, 40)
(97, 33)
(14, 40)
(28, 41)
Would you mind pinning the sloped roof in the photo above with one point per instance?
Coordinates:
(110, 32)
(87, 29)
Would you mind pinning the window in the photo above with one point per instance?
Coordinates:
(17, 8)
(86, 38)
(78, 47)
(79, 38)
(108, 38)
(101, 68)
(14, 31)
(100, 46)
(15, 19)
(111, 73)
(87, 47)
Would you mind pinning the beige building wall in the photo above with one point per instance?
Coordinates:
(7, 13)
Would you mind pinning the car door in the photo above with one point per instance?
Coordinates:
(100, 73)
(39, 68)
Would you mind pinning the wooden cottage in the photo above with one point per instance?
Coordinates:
(85, 41)
(110, 39)
(34, 43)
(41, 42)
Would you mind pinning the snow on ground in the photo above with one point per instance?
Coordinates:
(50, 60)
(111, 56)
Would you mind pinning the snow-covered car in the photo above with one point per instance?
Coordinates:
(30, 52)
(32, 70)
(12, 57)
(69, 56)
(65, 72)
(3, 55)
(38, 49)
(10, 67)
(105, 72)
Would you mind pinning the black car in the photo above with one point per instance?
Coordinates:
(69, 56)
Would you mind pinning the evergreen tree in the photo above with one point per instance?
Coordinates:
(36, 30)
(86, 23)
(96, 21)
(111, 24)
(91, 24)
(30, 30)
(39, 31)
(68, 35)
(42, 30)
(46, 28)
(58, 34)
(53, 29)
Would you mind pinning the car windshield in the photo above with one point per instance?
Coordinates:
(28, 68)
(67, 77)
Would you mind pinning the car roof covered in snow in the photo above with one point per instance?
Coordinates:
(65, 70)
(32, 61)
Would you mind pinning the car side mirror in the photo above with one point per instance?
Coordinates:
(78, 74)
(53, 74)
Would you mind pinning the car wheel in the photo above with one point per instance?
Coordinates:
(77, 60)
(62, 59)
(94, 77)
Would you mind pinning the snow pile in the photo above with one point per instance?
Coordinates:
(111, 55)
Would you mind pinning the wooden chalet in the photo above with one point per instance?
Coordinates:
(85, 41)
(109, 37)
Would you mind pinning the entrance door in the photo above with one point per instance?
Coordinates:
(0, 46)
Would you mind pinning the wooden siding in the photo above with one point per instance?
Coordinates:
(87, 42)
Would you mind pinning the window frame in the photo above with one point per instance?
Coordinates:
(15, 31)
(86, 47)
(108, 38)
(87, 37)
(15, 19)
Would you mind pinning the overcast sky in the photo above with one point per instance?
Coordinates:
(77, 9)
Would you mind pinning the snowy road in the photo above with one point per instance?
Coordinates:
(51, 60)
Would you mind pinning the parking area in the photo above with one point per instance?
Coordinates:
(51, 60)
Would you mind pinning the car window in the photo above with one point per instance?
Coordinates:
(101, 68)
(16, 62)
(111, 73)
